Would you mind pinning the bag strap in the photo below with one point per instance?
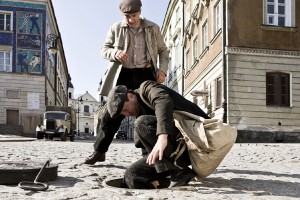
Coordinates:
(179, 151)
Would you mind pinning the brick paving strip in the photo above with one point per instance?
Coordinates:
(249, 171)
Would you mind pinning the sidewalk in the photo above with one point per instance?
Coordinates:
(15, 138)
(18, 138)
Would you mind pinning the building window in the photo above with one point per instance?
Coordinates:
(217, 17)
(5, 21)
(204, 36)
(177, 53)
(12, 94)
(195, 50)
(86, 109)
(177, 15)
(278, 89)
(279, 12)
(5, 61)
(187, 60)
(170, 69)
(218, 92)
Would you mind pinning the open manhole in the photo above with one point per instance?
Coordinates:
(13, 172)
(118, 183)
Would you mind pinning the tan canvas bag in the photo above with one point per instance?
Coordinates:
(208, 141)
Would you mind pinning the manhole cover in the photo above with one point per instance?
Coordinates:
(13, 172)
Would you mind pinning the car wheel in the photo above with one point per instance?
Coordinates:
(64, 136)
(39, 135)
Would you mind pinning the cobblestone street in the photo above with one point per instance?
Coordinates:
(250, 171)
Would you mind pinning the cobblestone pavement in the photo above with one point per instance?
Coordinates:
(249, 171)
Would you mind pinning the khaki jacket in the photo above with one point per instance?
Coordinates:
(118, 39)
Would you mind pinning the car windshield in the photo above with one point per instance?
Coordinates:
(55, 116)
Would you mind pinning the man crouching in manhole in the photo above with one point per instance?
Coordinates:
(154, 104)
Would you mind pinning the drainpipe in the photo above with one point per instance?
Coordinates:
(55, 81)
(182, 64)
(225, 67)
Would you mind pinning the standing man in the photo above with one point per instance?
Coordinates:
(153, 105)
(137, 52)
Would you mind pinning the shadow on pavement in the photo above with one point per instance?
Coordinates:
(65, 182)
(257, 186)
(252, 172)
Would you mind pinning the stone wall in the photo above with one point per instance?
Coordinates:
(8, 129)
(247, 136)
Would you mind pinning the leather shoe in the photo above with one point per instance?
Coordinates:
(181, 177)
(95, 157)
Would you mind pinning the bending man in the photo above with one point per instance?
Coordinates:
(153, 105)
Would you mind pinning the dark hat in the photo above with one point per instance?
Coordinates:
(130, 6)
(115, 100)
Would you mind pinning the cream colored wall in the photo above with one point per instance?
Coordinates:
(25, 84)
(247, 89)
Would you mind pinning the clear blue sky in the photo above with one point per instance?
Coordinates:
(83, 26)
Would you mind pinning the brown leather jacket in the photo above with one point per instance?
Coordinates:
(164, 101)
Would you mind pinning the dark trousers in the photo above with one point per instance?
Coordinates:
(139, 175)
(133, 78)
(106, 129)
(107, 126)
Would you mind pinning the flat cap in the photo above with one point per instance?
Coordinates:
(115, 100)
(130, 6)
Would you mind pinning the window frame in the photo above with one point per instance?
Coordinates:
(6, 66)
(187, 60)
(218, 99)
(276, 89)
(177, 15)
(86, 108)
(5, 13)
(204, 35)
(195, 49)
(289, 13)
(217, 17)
(177, 53)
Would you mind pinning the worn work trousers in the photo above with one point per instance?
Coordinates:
(139, 175)
(107, 126)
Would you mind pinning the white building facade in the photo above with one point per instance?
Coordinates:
(85, 106)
